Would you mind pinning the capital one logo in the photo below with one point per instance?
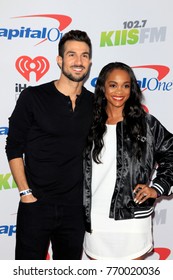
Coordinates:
(39, 65)
(40, 34)
(155, 82)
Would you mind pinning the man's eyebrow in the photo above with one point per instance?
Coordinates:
(75, 52)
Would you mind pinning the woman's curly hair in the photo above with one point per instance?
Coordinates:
(133, 112)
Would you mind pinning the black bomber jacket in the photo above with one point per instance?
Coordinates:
(156, 162)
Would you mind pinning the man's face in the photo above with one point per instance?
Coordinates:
(76, 61)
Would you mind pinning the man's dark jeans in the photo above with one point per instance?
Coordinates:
(40, 224)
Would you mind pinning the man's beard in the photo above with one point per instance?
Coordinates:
(72, 77)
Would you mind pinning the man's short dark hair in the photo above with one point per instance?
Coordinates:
(74, 35)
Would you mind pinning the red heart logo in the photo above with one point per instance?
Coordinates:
(39, 65)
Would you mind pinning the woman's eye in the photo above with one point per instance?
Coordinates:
(127, 86)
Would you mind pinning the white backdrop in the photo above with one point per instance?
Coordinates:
(138, 33)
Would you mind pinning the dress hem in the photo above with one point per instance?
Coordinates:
(131, 257)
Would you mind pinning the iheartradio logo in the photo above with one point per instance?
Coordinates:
(39, 65)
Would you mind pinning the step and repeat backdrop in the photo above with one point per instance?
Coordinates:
(138, 33)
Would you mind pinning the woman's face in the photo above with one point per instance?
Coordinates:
(117, 88)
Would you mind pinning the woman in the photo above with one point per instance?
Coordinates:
(127, 146)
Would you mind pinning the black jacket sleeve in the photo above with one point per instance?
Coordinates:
(163, 182)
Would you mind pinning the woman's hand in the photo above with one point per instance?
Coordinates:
(143, 192)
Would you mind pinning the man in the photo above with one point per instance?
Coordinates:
(47, 135)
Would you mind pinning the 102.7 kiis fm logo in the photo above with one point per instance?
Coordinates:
(133, 32)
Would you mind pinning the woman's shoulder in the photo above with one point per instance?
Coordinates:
(151, 118)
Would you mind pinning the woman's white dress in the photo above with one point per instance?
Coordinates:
(112, 239)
